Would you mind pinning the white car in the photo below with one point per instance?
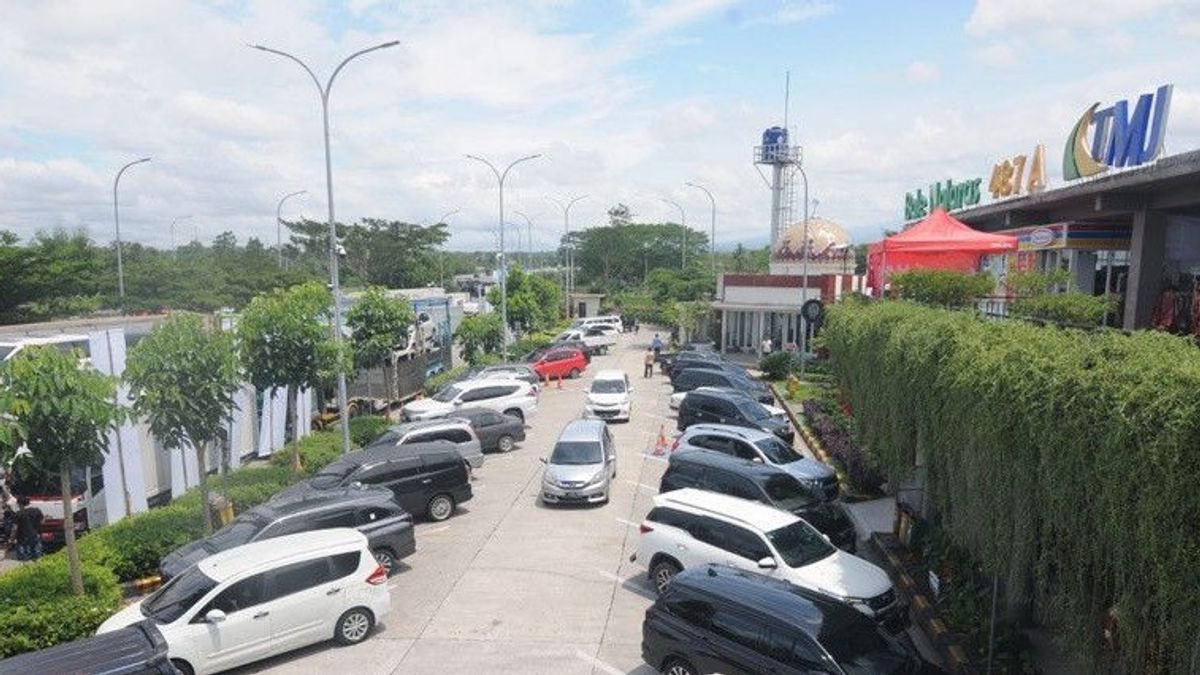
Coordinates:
(677, 399)
(265, 598)
(609, 396)
(690, 528)
(504, 395)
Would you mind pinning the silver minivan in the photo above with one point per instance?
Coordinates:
(582, 465)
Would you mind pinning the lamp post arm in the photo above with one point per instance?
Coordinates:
(348, 59)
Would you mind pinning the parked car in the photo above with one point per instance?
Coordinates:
(693, 378)
(138, 649)
(757, 445)
(496, 431)
(371, 510)
(723, 406)
(560, 363)
(593, 321)
(691, 528)
(265, 598)
(511, 397)
(457, 431)
(759, 482)
(582, 465)
(676, 399)
(539, 352)
(717, 619)
(427, 478)
(516, 371)
(703, 361)
(596, 340)
(609, 396)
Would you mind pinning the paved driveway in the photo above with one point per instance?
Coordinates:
(510, 586)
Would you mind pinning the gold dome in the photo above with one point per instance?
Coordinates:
(825, 235)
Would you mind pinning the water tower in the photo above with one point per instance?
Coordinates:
(781, 157)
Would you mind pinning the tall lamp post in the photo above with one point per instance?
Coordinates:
(500, 176)
(712, 237)
(117, 224)
(343, 406)
(174, 248)
(804, 273)
(682, 224)
(442, 254)
(570, 276)
(528, 237)
(279, 221)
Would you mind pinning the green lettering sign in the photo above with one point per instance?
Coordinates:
(948, 195)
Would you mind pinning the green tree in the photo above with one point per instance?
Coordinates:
(944, 288)
(478, 335)
(533, 300)
(377, 323)
(182, 379)
(64, 411)
(285, 341)
(617, 255)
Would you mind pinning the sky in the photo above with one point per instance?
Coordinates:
(626, 100)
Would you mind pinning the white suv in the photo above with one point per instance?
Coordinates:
(690, 528)
(608, 397)
(511, 397)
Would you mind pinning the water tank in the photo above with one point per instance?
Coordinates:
(774, 142)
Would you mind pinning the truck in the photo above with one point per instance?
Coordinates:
(596, 338)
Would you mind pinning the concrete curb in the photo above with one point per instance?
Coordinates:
(138, 587)
(921, 607)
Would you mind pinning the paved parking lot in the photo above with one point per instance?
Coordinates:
(510, 586)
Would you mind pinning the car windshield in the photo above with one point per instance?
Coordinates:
(800, 544)
(331, 476)
(608, 386)
(240, 531)
(446, 395)
(787, 493)
(752, 409)
(178, 595)
(576, 452)
(777, 451)
(861, 649)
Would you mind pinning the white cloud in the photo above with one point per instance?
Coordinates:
(997, 55)
(1006, 16)
(922, 71)
(792, 11)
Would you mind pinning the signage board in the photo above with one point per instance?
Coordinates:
(948, 195)
(1117, 137)
(1008, 176)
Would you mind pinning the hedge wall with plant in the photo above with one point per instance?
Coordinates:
(1066, 461)
(40, 610)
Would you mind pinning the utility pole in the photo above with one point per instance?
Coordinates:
(567, 247)
(712, 237)
(683, 225)
(279, 222)
(117, 225)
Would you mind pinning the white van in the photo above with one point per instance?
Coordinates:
(587, 322)
(608, 397)
(265, 598)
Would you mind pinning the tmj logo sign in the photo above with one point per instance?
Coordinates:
(1119, 139)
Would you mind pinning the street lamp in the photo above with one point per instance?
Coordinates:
(500, 176)
(117, 224)
(279, 221)
(804, 273)
(645, 261)
(174, 248)
(343, 405)
(528, 237)
(712, 242)
(682, 224)
(570, 276)
(442, 253)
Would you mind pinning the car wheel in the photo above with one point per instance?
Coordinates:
(675, 666)
(517, 413)
(354, 626)
(505, 444)
(662, 573)
(385, 558)
(574, 374)
(183, 667)
(440, 507)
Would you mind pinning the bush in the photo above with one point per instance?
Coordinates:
(40, 610)
(776, 365)
(367, 428)
(1064, 461)
(944, 288)
(1072, 308)
(834, 431)
(316, 450)
(435, 383)
(132, 547)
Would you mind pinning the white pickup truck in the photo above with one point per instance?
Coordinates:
(596, 338)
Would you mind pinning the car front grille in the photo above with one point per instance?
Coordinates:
(882, 600)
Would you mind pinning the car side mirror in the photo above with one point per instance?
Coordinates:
(214, 616)
(767, 563)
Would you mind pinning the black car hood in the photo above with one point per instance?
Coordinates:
(827, 518)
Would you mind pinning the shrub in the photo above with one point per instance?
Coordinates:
(836, 437)
(316, 450)
(1072, 308)
(776, 365)
(435, 383)
(944, 288)
(40, 610)
(367, 428)
(132, 547)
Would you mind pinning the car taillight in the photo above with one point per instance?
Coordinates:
(644, 528)
(675, 445)
(379, 576)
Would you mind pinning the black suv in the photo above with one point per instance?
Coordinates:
(496, 431)
(429, 478)
(689, 379)
(717, 619)
(138, 649)
(370, 510)
(724, 406)
(759, 482)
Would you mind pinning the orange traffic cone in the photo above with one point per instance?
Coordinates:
(560, 381)
(660, 446)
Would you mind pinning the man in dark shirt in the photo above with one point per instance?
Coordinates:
(29, 525)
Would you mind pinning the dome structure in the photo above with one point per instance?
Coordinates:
(827, 240)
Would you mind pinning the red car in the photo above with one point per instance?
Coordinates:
(558, 363)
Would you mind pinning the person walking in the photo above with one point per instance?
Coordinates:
(28, 526)
(648, 360)
(656, 344)
(766, 346)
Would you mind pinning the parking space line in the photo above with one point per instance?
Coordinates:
(597, 663)
(641, 485)
(435, 530)
(628, 523)
(655, 458)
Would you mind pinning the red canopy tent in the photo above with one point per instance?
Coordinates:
(938, 242)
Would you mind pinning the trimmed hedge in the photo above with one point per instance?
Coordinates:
(1065, 460)
(316, 450)
(366, 428)
(776, 365)
(40, 610)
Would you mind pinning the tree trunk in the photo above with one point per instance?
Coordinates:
(64, 481)
(293, 392)
(201, 463)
